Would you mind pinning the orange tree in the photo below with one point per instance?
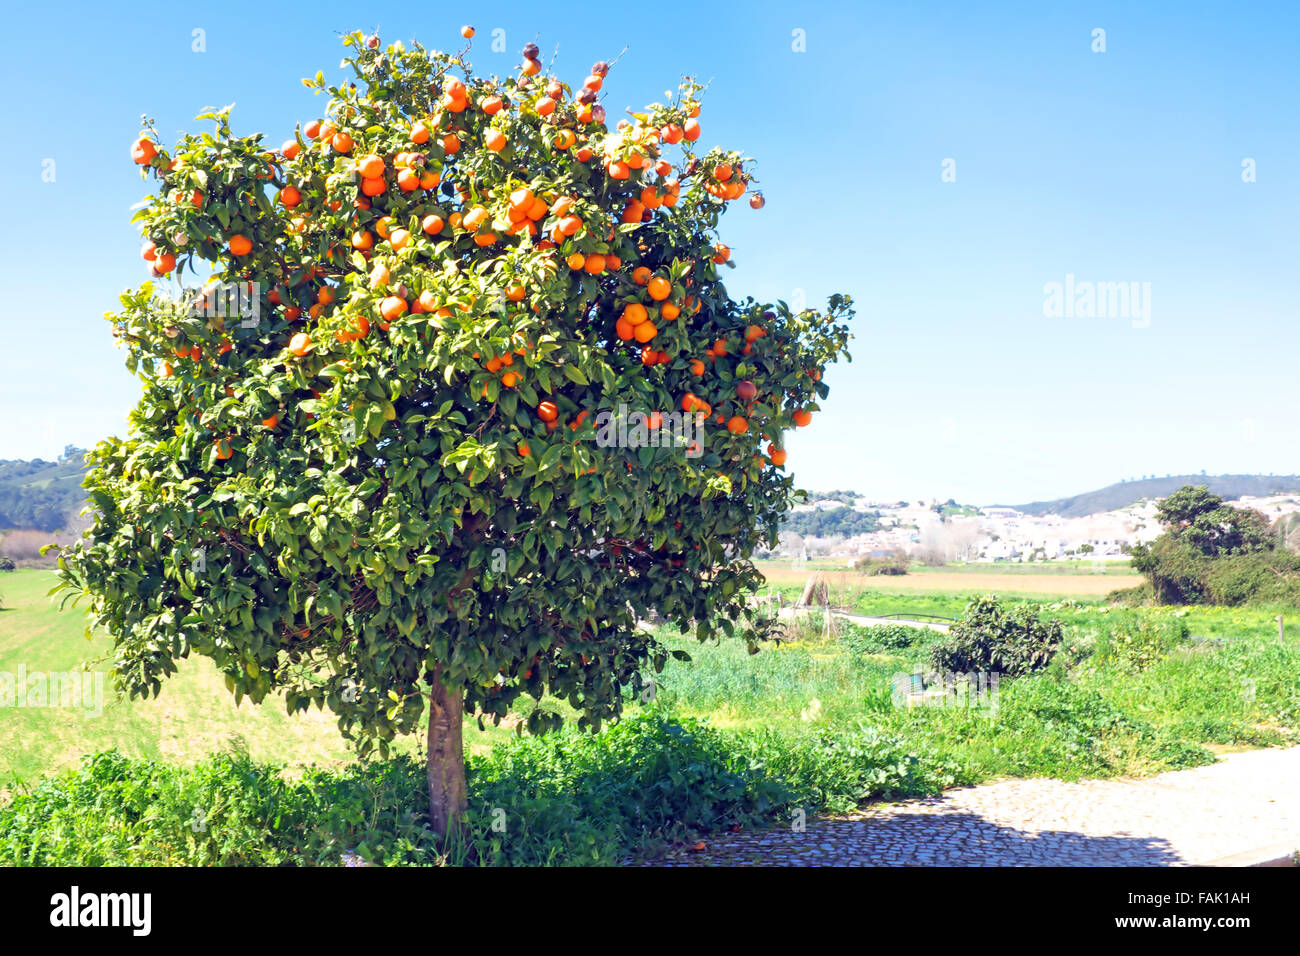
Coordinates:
(380, 489)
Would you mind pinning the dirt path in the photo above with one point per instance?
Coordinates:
(1242, 803)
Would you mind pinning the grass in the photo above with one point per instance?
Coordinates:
(193, 717)
(731, 739)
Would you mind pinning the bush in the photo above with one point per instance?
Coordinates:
(7, 563)
(882, 637)
(890, 564)
(1136, 644)
(991, 638)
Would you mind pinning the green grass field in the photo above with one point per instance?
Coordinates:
(731, 737)
(192, 717)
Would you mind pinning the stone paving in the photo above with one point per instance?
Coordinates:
(1243, 802)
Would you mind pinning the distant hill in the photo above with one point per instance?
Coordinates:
(44, 495)
(1125, 493)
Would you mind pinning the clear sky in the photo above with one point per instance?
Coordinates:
(1116, 166)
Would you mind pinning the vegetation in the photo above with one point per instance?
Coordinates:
(728, 739)
(889, 564)
(992, 638)
(395, 490)
(1211, 553)
(42, 495)
(825, 522)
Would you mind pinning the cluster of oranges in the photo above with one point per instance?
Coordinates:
(576, 226)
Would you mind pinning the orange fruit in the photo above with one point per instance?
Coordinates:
(373, 187)
(641, 275)
(370, 166)
(547, 411)
(595, 264)
(399, 239)
(645, 332)
(432, 225)
(721, 253)
(776, 455)
(669, 311)
(635, 313)
(802, 417)
(737, 425)
(659, 288)
(240, 245)
(362, 239)
(342, 143)
(467, 31)
(143, 150)
(495, 140)
(392, 308)
(290, 196)
(300, 344)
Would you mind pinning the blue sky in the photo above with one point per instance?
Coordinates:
(1122, 166)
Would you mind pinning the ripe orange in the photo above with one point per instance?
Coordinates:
(271, 422)
(495, 140)
(300, 344)
(467, 31)
(143, 150)
(370, 166)
(737, 425)
(635, 313)
(522, 448)
(399, 239)
(641, 275)
(342, 143)
(721, 253)
(776, 455)
(595, 264)
(659, 288)
(511, 379)
(240, 245)
(290, 196)
(547, 411)
(164, 262)
(802, 417)
(451, 144)
(312, 129)
(362, 239)
(515, 293)
(392, 308)
(576, 261)
(432, 225)
(645, 332)
(691, 130)
(373, 187)
(669, 311)
(697, 367)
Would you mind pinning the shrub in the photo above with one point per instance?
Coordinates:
(991, 638)
(6, 563)
(882, 637)
(1136, 644)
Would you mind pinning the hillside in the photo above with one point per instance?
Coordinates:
(44, 495)
(1125, 493)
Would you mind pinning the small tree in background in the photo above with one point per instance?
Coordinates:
(380, 489)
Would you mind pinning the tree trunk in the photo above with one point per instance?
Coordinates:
(446, 760)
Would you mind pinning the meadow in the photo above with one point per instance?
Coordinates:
(812, 722)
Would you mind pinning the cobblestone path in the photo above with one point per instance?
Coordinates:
(1243, 802)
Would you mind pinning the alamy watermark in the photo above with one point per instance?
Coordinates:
(1083, 299)
(83, 689)
(221, 300)
(635, 429)
(975, 690)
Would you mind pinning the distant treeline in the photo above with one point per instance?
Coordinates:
(823, 523)
(44, 495)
